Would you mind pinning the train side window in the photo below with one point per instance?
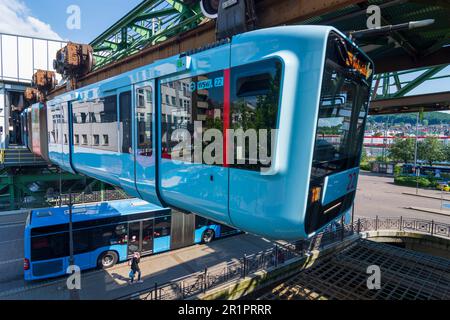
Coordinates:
(81, 124)
(200, 102)
(125, 121)
(144, 120)
(104, 110)
(255, 96)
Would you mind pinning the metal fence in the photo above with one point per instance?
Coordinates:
(29, 203)
(21, 56)
(96, 196)
(280, 255)
(429, 227)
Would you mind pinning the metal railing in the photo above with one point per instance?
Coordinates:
(429, 227)
(29, 203)
(95, 196)
(280, 255)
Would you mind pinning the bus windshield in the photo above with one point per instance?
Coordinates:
(342, 112)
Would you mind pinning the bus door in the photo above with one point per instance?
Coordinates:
(140, 237)
(192, 114)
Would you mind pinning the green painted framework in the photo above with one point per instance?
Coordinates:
(151, 22)
(16, 186)
(390, 85)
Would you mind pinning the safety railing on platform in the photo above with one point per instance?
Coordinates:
(29, 203)
(96, 196)
(280, 255)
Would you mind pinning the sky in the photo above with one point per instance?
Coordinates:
(48, 18)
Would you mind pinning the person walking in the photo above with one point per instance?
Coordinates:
(134, 264)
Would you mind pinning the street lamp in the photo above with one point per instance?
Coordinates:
(415, 154)
(74, 294)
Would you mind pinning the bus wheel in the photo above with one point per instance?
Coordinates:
(107, 260)
(208, 236)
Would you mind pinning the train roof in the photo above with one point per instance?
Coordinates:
(92, 211)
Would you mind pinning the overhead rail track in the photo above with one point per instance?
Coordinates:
(158, 29)
(151, 22)
(269, 12)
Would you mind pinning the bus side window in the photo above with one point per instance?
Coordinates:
(200, 222)
(51, 246)
(162, 227)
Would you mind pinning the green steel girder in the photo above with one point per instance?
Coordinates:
(149, 23)
(392, 87)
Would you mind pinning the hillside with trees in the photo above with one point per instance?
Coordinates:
(430, 118)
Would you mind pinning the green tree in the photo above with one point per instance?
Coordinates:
(364, 157)
(402, 150)
(447, 152)
(431, 150)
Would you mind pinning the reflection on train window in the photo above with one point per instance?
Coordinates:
(125, 121)
(189, 102)
(85, 139)
(93, 119)
(77, 139)
(105, 140)
(255, 96)
(144, 118)
(342, 111)
(96, 140)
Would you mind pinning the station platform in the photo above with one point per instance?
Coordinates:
(19, 156)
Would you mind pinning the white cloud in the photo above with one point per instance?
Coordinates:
(16, 19)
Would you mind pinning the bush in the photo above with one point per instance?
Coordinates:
(412, 182)
(398, 170)
(366, 166)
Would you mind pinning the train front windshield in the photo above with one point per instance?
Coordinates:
(342, 117)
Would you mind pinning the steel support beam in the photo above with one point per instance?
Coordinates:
(270, 13)
(399, 63)
(425, 102)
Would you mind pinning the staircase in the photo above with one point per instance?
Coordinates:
(19, 157)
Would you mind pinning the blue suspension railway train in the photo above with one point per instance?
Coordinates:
(296, 84)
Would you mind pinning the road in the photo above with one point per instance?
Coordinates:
(379, 196)
(11, 251)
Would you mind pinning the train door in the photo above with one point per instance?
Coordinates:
(192, 110)
(144, 113)
(126, 154)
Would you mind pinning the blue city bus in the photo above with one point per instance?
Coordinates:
(426, 171)
(107, 233)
